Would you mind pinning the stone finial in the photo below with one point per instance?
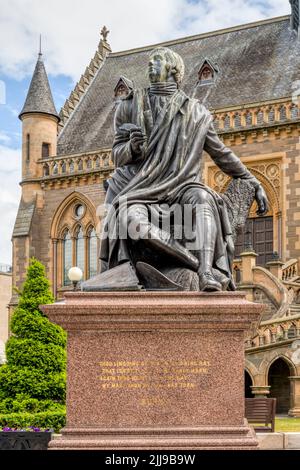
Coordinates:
(104, 33)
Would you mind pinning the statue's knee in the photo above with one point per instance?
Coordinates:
(198, 196)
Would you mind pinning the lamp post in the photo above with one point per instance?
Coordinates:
(75, 275)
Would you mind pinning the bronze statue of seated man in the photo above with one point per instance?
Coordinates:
(160, 135)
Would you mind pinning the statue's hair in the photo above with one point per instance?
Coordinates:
(174, 60)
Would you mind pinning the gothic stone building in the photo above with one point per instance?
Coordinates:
(249, 78)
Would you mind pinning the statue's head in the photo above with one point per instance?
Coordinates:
(165, 66)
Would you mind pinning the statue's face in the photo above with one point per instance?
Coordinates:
(159, 69)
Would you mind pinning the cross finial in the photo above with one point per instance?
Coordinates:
(104, 33)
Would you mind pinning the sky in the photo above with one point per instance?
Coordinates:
(70, 32)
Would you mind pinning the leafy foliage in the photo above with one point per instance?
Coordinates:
(32, 382)
(46, 419)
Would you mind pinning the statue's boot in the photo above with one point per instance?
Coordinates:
(207, 281)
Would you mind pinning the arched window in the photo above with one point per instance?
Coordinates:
(67, 256)
(92, 253)
(55, 169)
(294, 112)
(97, 162)
(260, 117)
(74, 239)
(216, 124)
(237, 120)
(105, 160)
(271, 115)
(45, 150)
(46, 170)
(249, 119)
(80, 165)
(282, 113)
(79, 249)
(227, 122)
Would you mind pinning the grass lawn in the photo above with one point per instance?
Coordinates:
(284, 424)
(287, 424)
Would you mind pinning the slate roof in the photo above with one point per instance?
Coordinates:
(39, 97)
(24, 219)
(257, 62)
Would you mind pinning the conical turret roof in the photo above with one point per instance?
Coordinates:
(39, 97)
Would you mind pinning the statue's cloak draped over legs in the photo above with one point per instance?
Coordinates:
(170, 166)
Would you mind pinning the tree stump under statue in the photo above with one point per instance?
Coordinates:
(155, 370)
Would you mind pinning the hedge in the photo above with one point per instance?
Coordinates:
(33, 381)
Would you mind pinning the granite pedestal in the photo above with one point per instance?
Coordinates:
(155, 370)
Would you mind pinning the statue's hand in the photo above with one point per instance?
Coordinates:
(137, 140)
(262, 200)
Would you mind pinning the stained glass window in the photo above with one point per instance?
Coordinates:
(92, 253)
(67, 257)
(80, 250)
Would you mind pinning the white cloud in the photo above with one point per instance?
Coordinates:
(10, 174)
(70, 28)
(5, 138)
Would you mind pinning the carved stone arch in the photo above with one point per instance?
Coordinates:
(76, 228)
(273, 198)
(251, 369)
(88, 229)
(272, 357)
(74, 197)
(67, 218)
(222, 181)
(61, 234)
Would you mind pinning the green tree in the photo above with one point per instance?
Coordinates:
(32, 382)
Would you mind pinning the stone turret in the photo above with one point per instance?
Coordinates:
(39, 123)
(39, 140)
